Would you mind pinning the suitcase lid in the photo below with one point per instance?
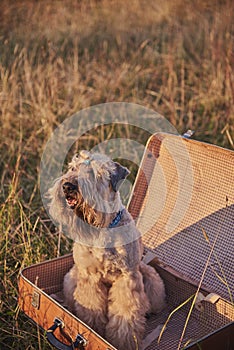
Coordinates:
(183, 204)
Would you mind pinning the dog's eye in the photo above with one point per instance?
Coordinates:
(73, 169)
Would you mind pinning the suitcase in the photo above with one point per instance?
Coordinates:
(183, 204)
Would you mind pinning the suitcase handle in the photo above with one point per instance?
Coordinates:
(79, 343)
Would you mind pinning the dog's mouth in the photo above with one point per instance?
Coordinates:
(71, 202)
(70, 192)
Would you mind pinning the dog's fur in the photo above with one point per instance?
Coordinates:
(109, 287)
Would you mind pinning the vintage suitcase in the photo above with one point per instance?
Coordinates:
(183, 203)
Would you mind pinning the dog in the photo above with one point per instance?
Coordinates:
(109, 287)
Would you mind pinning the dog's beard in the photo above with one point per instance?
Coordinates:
(85, 224)
(80, 209)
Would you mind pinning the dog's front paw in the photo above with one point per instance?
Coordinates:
(124, 333)
(69, 286)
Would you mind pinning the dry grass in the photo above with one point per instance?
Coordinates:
(59, 57)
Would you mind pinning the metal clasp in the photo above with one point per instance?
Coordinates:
(36, 299)
(80, 341)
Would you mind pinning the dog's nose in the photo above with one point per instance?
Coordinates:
(68, 187)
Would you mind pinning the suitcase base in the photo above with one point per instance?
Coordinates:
(40, 285)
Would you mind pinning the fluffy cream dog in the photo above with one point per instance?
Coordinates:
(109, 287)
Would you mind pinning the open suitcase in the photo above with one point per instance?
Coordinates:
(183, 203)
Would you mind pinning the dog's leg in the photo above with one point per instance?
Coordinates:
(127, 307)
(69, 286)
(91, 302)
(154, 288)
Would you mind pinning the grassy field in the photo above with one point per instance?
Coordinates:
(58, 57)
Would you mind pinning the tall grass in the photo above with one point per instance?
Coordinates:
(56, 58)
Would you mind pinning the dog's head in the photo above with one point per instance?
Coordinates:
(89, 190)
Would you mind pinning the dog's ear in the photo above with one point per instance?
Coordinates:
(118, 175)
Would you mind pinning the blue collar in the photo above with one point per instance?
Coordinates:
(117, 219)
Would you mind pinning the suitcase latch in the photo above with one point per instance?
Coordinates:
(36, 299)
(80, 341)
